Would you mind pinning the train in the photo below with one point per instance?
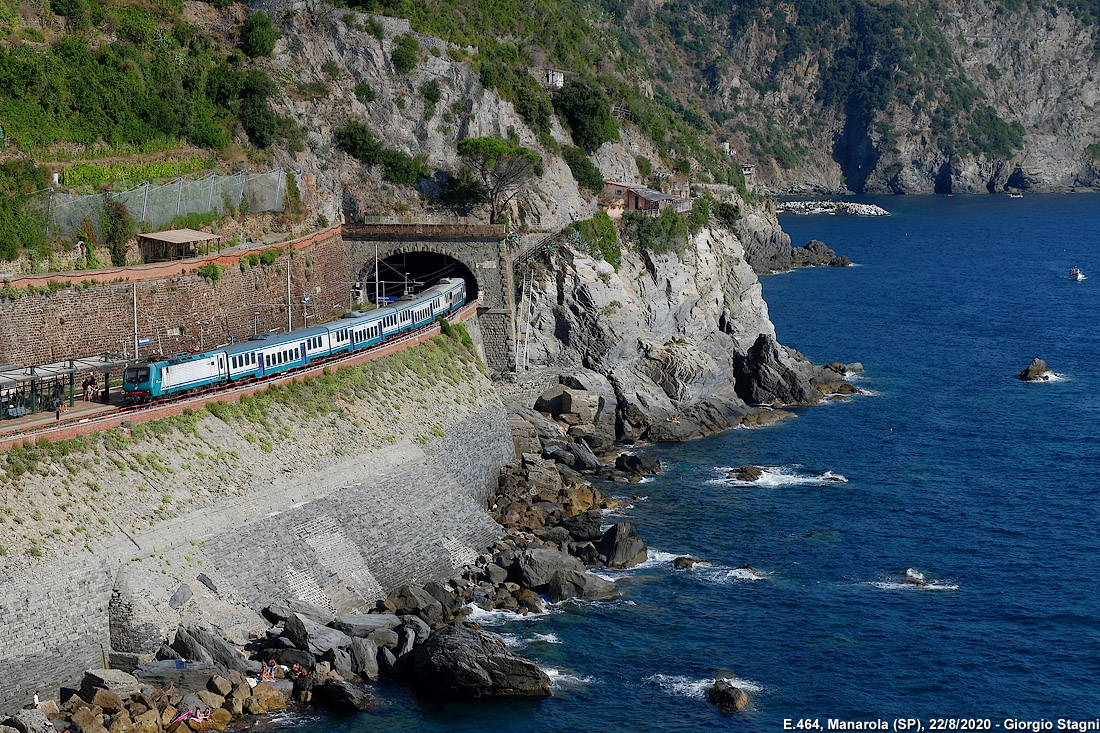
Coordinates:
(267, 354)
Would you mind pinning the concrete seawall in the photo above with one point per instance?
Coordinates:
(340, 529)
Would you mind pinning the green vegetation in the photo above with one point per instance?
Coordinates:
(357, 140)
(258, 35)
(118, 228)
(584, 172)
(502, 168)
(600, 235)
(21, 225)
(585, 108)
(660, 234)
(365, 93)
(211, 272)
(406, 54)
(85, 174)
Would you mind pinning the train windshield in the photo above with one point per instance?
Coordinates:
(136, 375)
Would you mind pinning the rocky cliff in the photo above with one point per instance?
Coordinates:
(677, 345)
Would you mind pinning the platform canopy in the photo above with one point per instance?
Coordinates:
(174, 244)
(12, 376)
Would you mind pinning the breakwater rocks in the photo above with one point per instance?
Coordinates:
(847, 208)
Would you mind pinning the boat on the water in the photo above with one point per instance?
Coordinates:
(1076, 274)
(1015, 195)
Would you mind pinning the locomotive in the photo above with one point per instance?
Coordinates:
(267, 354)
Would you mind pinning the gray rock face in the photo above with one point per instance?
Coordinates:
(637, 463)
(182, 595)
(535, 566)
(461, 662)
(584, 527)
(622, 546)
(363, 624)
(342, 695)
(190, 648)
(313, 637)
(572, 584)
(221, 652)
(364, 659)
(340, 661)
(585, 459)
(112, 680)
(311, 611)
(768, 374)
(192, 677)
(1036, 371)
(290, 657)
(28, 721)
(407, 599)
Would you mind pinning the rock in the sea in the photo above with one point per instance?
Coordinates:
(637, 463)
(573, 584)
(1036, 371)
(685, 562)
(364, 658)
(727, 698)
(748, 474)
(622, 546)
(769, 373)
(462, 662)
(584, 527)
(534, 568)
(407, 599)
(341, 695)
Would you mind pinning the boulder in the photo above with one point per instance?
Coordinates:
(1036, 371)
(363, 624)
(184, 676)
(290, 657)
(535, 566)
(114, 680)
(585, 526)
(384, 638)
(495, 574)
(748, 474)
(685, 562)
(86, 718)
(342, 695)
(769, 374)
(584, 458)
(120, 723)
(8, 729)
(364, 659)
(573, 584)
(50, 709)
(415, 625)
(550, 401)
(407, 599)
(219, 685)
(340, 661)
(622, 546)
(462, 662)
(442, 593)
(312, 636)
(727, 698)
(277, 612)
(582, 403)
(182, 595)
(221, 652)
(638, 463)
(190, 648)
(111, 702)
(210, 699)
(28, 721)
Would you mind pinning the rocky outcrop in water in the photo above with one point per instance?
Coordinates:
(1036, 371)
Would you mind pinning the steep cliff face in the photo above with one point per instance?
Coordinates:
(678, 344)
(317, 39)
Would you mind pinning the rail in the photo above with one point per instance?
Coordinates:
(150, 411)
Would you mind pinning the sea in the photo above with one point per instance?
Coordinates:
(928, 550)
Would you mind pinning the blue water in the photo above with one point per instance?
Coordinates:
(984, 485)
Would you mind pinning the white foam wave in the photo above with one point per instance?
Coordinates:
(776, 476)
(518, 642)
(1047, 378)
(500, 616)
(913, 580)
(724, 575)
(562, 678)
(696, 688)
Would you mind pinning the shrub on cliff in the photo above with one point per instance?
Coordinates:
(406, 53)
(258, 35)
(659, 234)
(118, 229)
(600, 235)
(586, 174)
(586, 109)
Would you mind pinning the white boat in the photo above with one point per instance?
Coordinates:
(1015, 195)
(1076, 274)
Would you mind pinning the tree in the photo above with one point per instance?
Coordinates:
(587, 111)
(502, 168)
(258, 35)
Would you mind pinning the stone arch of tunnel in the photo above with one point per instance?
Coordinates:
(410, 272)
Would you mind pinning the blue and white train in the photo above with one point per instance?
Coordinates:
(269, 353)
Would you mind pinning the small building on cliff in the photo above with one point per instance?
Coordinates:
(174, 244)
